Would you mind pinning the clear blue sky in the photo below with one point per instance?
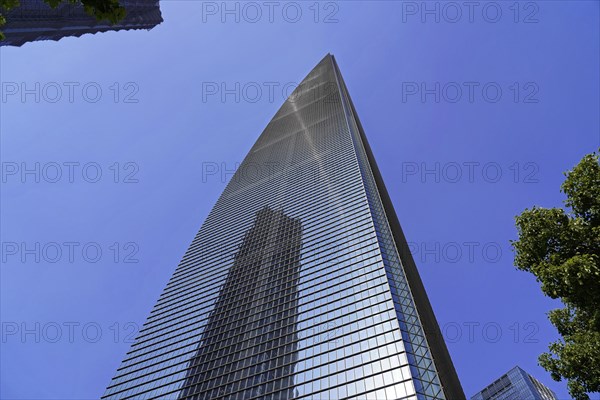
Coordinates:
(386, 53)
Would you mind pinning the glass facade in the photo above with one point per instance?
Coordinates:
(516, 384)
(299, 283)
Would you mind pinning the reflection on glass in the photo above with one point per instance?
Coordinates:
(249, 346)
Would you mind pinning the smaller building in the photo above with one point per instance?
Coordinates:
(35, 20)
(516, 384)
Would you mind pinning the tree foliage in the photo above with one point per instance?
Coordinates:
(562, 249)
(109, 10)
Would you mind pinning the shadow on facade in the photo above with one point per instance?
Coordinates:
(250, 341)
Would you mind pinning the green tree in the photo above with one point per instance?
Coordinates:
(109, 10)
(6, 5)
(562, 249)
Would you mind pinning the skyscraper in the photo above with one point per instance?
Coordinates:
(516, 384)
(299, 284)
(35, 20)
(268, 263)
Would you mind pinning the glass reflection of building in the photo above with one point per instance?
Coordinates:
(359, 322)
(249, 343)
(35, 20)
(516, 384)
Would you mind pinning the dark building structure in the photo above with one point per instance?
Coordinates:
(35, 20)
(299, 284)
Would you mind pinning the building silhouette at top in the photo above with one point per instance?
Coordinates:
(300, 283)
(35, 20)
